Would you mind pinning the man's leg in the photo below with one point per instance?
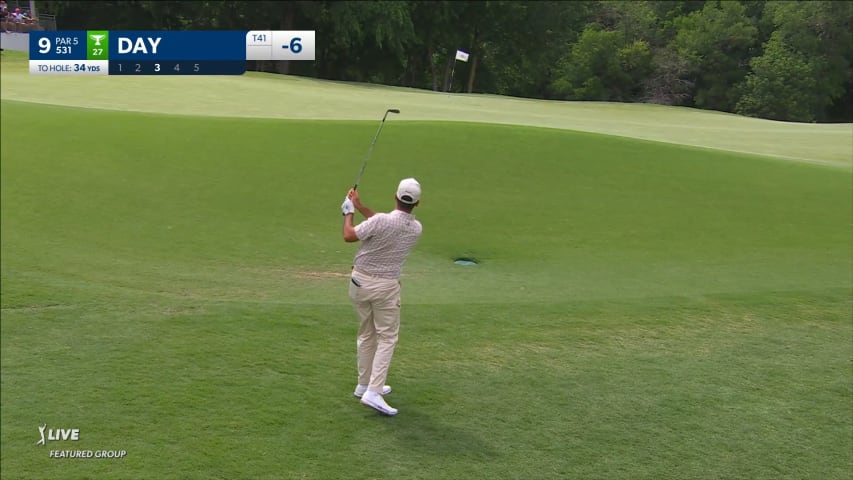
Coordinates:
(366, 339)
(366, 346)
(386, 319)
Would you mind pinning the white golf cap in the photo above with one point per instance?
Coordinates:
(409, 191)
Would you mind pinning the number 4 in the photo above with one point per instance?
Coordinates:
(177, 67)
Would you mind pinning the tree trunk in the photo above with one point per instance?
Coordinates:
(283, 66)
(412, 73)
(472, 73)
(448, 70)
(474, 49)
(433, 68)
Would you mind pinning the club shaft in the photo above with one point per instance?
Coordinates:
(372, 144)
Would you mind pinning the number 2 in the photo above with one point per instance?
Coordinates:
(138, 68)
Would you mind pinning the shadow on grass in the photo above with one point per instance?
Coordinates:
(418, 431)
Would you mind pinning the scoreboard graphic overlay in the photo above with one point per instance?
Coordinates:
(104, 52)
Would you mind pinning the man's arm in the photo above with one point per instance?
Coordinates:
(356, 201)
(349, 229)
(364, 210)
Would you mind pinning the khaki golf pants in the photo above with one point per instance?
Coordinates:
(377, 303)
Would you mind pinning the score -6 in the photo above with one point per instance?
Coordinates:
(296, 45)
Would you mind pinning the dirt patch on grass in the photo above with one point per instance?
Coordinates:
(319, 274)
(36, 308)
(291, 272)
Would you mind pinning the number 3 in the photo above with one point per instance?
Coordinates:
(156, 67)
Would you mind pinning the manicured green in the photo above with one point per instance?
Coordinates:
(175, 286)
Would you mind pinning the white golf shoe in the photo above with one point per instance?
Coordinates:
(360, 389)
(376, 402)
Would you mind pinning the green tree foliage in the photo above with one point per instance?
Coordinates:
(781, 85)
(589, 64)
(806, 65)
(636, 20)
(604, 65)
(525, 40)
(716, 42)
(364, 41)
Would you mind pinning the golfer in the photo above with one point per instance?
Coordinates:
(374, 288)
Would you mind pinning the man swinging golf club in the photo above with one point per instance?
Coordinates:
(374, 288)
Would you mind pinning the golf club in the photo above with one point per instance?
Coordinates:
(369, 151)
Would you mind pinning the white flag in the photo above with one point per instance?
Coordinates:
(461, 56)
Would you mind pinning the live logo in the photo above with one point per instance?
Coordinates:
(63, 434)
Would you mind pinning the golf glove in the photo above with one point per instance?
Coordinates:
(347, 207)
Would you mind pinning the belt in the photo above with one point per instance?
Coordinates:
(361, 272)
(365, 274)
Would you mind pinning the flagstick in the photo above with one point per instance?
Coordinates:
(464, 58)
(452, 71)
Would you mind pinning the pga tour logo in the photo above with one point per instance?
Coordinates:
(56, 434)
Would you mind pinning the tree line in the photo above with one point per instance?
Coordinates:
(780, 60)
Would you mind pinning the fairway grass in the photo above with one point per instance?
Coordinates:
(261, 95)
(174, 286)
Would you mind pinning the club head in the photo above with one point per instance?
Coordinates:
(390, 110)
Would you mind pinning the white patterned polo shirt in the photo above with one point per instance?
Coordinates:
(386, 240)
